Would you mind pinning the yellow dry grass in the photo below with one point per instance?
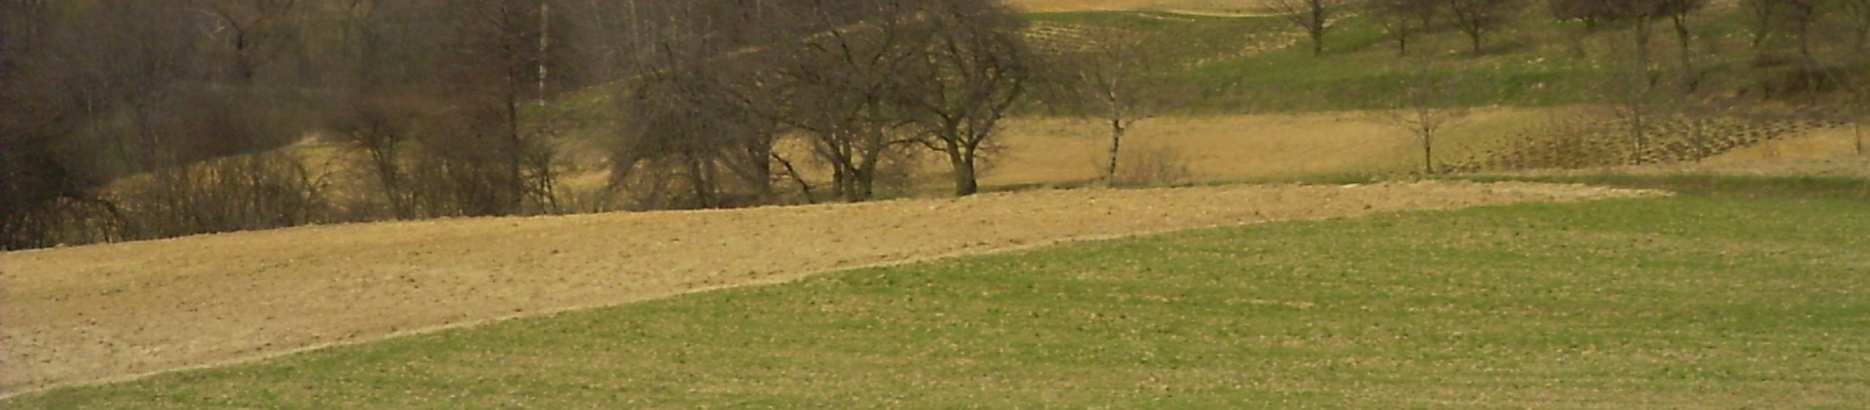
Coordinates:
(1819, 144)
(1042, 151)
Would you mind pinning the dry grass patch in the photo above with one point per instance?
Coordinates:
(1245, 147)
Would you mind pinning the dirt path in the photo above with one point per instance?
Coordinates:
(98, 313)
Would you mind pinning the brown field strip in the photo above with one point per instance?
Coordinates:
(111, 312)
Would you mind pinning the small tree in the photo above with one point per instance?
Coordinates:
(1425, 108)
(1119, 80)
(1403, 19)
(1633, 98)
(378, 127)
(1313, 16)
(1480, 18)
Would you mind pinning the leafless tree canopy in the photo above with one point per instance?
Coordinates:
(1480, 18)
(1313, 16)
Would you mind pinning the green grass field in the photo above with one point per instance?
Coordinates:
(1738, 293)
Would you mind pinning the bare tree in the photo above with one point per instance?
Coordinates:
(971, 67)
(1119, 79)
(838, 89)
(1425, 108)
(37, 186)
(494, 70)
(1678, 13)
(1634, 100)
(1480, 18)
(255, 31)
(380, 128)
(1313, 16)
(1404, 19)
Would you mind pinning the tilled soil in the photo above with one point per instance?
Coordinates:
(112, 312)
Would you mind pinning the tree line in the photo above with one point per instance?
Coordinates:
(129, 119)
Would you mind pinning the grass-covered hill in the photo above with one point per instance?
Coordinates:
(1262, 63)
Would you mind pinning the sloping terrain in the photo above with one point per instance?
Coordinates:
(1733, 293)
(108, 312)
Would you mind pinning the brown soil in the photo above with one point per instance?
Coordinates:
(112, 312)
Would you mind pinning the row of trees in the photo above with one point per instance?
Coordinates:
(860, 83)
(1800, 22)
(1402, 19)
(128, 119)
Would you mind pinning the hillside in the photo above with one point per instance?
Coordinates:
(107, 312)
(1739, 292)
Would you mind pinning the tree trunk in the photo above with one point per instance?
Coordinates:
(964, 182)
(1317, 28)
(1116, 143)
(516, 183)
(701, 181)
(805, 188)
(1643, 60)
(840, 180)
(1474, 38)
(545, 46)
(1858, 129)
(392, 185)
(961, 163)
(1685, 40)
(1636, 138)
(1428, 153)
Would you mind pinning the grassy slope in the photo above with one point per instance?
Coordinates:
(1536, 62)
(1742, 293)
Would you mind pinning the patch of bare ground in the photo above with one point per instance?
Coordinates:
(113, 312)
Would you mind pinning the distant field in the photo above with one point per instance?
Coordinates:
(1750, 298)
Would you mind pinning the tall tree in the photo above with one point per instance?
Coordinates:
(971, 67)
(1119, 79)
(495, 70)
